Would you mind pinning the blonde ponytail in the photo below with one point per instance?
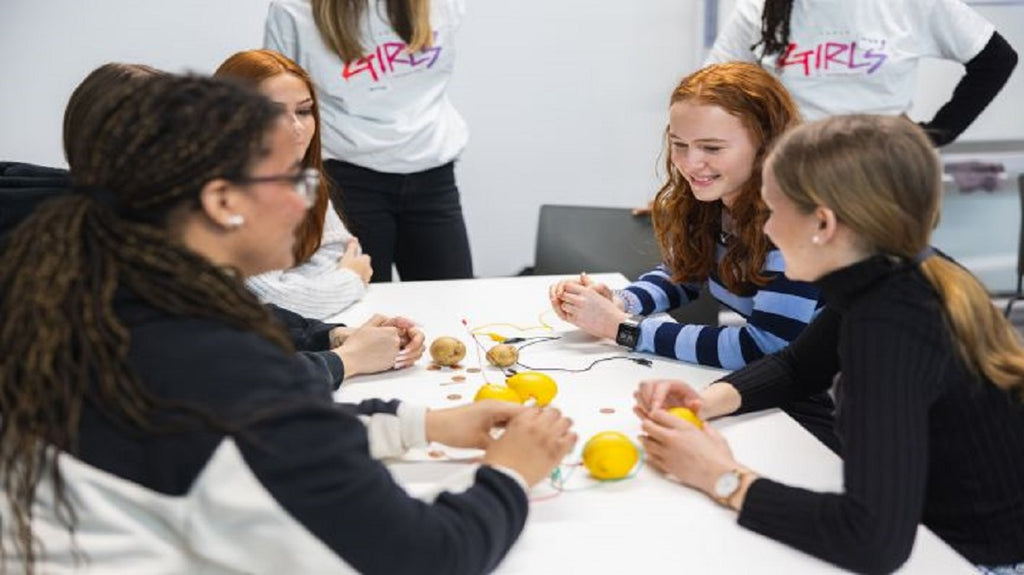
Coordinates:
(989, 345)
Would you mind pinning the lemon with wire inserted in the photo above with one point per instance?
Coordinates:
(610, 455)
(499, 392)
(687, 414)
(533, 384)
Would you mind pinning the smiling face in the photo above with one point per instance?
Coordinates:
(272, 210)
(292, 94)
(712, 150)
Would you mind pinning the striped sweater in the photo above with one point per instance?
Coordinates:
(318, 288)
(774, 315)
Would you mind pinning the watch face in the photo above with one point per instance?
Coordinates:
(628, 335)
(727, 484)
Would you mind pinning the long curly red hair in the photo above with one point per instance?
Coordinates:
(254, 66)
(687, 228)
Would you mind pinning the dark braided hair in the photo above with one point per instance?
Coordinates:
(147, 151)
(774, 27)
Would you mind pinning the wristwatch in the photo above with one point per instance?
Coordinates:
(727, 485)
(628, 334)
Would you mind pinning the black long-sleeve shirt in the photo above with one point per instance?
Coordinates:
(984, 76)
(923, 440)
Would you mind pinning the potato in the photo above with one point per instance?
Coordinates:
(447, 351)
(502, 355)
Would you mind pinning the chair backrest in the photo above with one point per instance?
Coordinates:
(573, 239)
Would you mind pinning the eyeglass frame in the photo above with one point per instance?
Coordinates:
(306, 183)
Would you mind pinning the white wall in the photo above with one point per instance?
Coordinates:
(565, 100)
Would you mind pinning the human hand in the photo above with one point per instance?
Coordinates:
(555, 292)
(654, 394)
(696, 457)
(470, 425)
(534, 442)
(412, 339)
(592, 309)
(354, 259)
(371, 348)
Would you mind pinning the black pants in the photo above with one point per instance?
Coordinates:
(411, 220)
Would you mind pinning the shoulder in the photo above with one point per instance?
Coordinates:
(212, 363)
(903, 302)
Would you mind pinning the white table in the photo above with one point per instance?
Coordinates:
(641, 524)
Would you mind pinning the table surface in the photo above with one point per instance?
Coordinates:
(646, 522)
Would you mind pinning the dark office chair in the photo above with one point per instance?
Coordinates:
(573, 239)
(1018, 294)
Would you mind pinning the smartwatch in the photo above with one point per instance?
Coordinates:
(628, 334)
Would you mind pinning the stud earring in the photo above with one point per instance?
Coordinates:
(235, 221)
(816, 239)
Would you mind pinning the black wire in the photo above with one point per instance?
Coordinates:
(637, 360)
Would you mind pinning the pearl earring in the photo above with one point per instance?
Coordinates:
(816, 239)
(235, 221)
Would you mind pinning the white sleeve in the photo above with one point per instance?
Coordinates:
(392, 434)
(318, 288)
(953, 30)
(279, 33)
(740, 32)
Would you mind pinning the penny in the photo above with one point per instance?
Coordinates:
(607, 410)
(433, 367)
(435, 454)
(454, 396)
(459, 378)
(473, 370)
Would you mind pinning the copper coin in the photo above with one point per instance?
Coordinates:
(433, 367)
(457, 366)
(607, 410)
(435, 454)
(473, 370)
(458, 378)
(454, 396)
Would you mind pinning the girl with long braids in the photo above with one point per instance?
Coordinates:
(928, 375)
(844, 57)
(152, 413)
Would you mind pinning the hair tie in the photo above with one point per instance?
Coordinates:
(924, 254)
(101, 196)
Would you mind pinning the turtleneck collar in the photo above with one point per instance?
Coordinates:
(843, 286)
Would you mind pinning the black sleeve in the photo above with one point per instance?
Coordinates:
(306, 334)
(805, 367)
(316, 465)
(888, 375)
(327, 364)
(986, 75)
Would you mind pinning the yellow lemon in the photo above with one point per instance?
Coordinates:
(499, 392)
(687, 414)
(533, 384)
(610, 455)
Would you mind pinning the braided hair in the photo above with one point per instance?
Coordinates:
(774, 27)
(147, 151)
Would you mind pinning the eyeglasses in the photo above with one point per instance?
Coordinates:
(305, 183)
